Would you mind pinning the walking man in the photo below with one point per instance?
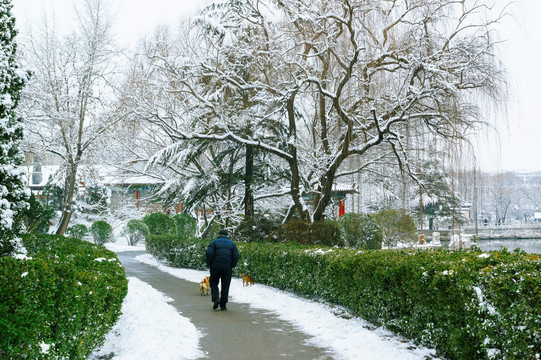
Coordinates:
(222, 256)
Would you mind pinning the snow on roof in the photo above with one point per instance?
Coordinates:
(344, 187)
(108, 176)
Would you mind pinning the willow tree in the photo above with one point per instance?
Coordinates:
(337, 80)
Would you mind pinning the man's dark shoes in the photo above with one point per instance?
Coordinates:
(215, 306)
(222, 307)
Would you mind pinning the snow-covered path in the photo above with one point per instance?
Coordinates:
(328, 331)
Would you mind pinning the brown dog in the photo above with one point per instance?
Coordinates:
(247, 280)
(204, 286)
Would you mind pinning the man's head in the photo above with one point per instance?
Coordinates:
(223, 232)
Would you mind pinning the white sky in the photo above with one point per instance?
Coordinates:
(516, 145)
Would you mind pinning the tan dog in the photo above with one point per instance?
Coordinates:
(204, 286)
(247, 280)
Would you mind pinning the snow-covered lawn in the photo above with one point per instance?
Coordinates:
(138, 333)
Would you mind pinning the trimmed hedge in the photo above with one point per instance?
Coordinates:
(180, 252)
(102, 232)
(60, 303)
(467, 305)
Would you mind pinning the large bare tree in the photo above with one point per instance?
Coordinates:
(68, 101)
(330, 80)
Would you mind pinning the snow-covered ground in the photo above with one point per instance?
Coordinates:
(150, 328)
(139, 335)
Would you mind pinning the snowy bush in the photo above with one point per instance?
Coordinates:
(78, 231)
(160, 224)
(97, 198)
(396, 226)
(256, 229)
(102, 232)
(135, 231)
(361, 231)
(60, 303)
(467, 305)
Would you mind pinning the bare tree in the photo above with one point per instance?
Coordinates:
(68, 101)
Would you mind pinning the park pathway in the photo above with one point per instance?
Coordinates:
(239, 333)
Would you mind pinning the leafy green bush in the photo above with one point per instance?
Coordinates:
(60, 303)
(36, 218)
(318, 233)
(256, 229)
(185, 225)
(135, 231)
(361, 231)
(102, 232)
(160, 224)
(78, 231)
(54, 195)
(396, 226)
(466, 305)
(185, 252)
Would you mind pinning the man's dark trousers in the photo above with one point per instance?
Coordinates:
(215, 276)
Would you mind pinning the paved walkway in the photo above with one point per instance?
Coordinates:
(239, 333)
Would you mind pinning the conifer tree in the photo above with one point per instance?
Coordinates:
(13, 193)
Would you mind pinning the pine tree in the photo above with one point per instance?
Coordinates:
(13, 193)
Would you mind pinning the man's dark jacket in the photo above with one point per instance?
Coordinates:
(222, 253)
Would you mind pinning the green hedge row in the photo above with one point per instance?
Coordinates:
(179, 252)
(467, 305)
(60, 303)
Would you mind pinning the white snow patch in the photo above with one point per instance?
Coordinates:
(44, 347)
(150, 328)
(119, 247)
(483, 301)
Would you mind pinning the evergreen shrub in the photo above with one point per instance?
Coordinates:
(78, 231)
(61, 302)
(102, 232)
(361, 231)
(325, 232)
(185, 225)
(396, 226)
(135, 231)
(97, 199)
(160, 224)
(37, 217)
(466, 305)
(256, 229)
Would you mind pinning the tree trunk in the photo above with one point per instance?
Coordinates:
(66, 208)
(293, 162)
(248, 183)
